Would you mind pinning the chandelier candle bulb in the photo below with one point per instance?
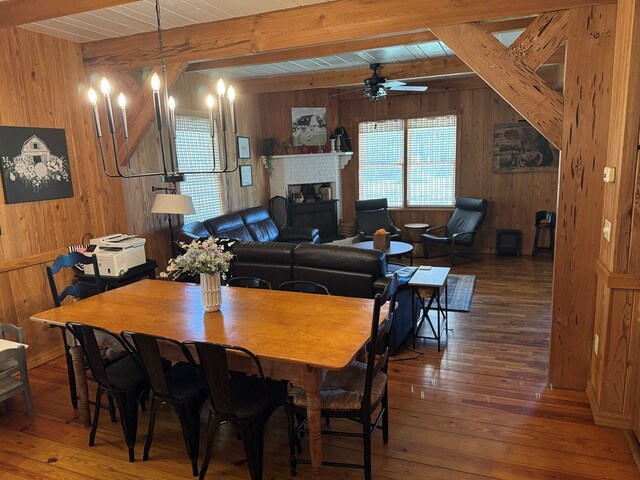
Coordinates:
(93, 99)
(221, 88)
(122, 101)
(106, 90)
(231, 93)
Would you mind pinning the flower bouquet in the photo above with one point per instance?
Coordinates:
(210, 258)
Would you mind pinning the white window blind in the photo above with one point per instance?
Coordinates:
(431, 161)
(381, 155)
(193, 152)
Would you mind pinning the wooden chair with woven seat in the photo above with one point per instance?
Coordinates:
(179, 385)
(76, 291)
(357, 391)
(122, 379)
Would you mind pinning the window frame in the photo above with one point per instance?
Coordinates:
(405, 119)
(223, 184)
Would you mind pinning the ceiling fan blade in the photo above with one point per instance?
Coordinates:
(346, 92)
(409, 88)
(392, 83)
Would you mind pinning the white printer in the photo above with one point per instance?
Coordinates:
(116, 254)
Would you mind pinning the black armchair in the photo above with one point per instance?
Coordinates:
(461, 230)
(372, 215)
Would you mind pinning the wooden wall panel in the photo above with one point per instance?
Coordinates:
(588, 78)
(39, 86)
(190, 93)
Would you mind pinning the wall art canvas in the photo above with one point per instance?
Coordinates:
(308, 126)
(34, 163)
(518, 147)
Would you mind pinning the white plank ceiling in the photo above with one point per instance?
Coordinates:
(137, 17)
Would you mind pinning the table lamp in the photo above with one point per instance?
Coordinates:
(171, 204)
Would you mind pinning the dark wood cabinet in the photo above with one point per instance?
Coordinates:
(322, 215)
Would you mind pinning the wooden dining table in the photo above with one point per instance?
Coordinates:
(296, 336)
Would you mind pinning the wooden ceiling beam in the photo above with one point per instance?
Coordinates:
(318, 24)
(344, 47)
(355, 76)
(541, 38)
(514, 81)
(20, 12)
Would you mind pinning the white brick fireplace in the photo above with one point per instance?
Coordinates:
(310, 168)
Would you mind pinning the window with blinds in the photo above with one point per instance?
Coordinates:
(381, 155)
(193, 152)
(429, 162)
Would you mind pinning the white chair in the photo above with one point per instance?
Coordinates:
(13, 360)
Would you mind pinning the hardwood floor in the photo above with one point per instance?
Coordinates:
(479, 409)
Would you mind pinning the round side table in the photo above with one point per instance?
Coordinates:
(414, 232)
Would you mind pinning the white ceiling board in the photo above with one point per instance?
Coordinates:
(138, 17)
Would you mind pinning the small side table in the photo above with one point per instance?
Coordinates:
(434, 278)
(414, 232)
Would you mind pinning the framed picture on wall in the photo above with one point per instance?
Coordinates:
(244, 148)
(518, 147)
(34, 164)
(246, 176)
(308, 126)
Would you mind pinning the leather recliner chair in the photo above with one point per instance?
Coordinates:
(372, 215)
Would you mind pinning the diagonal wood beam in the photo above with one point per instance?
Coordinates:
(354, 76)
(19, 12)
(514, 81)
(541, 38)
(324, 23)
(140, 114)
(344, 47)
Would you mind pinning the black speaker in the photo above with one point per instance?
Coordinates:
(508, 242)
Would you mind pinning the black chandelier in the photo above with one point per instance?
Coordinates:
(164, 108)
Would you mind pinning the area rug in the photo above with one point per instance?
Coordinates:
(460, 292)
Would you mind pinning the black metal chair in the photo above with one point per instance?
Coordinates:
(544, 220)
(357, 391)
(77, 291)
(122, 379)
(246, 402)
(304, 286)
(461, 230)
(248, 282)
(179, 385)
(372, 215)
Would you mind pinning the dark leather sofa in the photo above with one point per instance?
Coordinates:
(251, 224)
(346, 271)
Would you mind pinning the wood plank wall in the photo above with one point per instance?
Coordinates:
(190, 93)
(40, 86)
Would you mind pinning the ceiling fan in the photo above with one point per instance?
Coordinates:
(376, 86)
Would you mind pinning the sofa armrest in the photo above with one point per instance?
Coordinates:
(290, 234)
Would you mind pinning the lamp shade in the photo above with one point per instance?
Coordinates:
(173, 204)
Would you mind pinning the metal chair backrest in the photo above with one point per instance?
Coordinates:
(151, 349)
(380, 338)
(249, 282)
(77, 290)
(304, 286)
(213, 361)
(87, 336)
(16, 332)
(544, 217)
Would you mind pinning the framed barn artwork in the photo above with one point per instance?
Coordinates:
(518, 147)
(34, 163)
(308, 126)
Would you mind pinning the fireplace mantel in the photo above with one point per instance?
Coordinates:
(308, 168)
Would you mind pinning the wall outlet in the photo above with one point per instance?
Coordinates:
(596, 343)
(606, 230)
(609, 175)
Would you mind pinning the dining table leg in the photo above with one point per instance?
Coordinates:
(82, 390)
(311, 384)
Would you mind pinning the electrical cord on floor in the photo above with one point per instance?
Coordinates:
(416, 356)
